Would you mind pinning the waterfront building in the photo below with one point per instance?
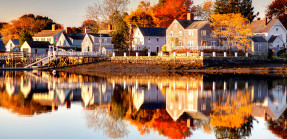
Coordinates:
(12, 43)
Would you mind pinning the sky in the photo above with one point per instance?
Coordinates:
(72, 12)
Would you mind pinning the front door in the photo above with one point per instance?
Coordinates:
(203, 43)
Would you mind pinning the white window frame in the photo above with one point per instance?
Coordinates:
(180, 33)
(213, 43)
(190, 33)
(203, 32)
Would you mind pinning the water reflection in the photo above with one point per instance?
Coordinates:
(173, 106)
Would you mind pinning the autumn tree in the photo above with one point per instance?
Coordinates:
(173, 9)
(278, 9)
(92, 25)
(142, 16)
(120, 37)
(31, 23)
(204, 10)
(233, 28)
(243, 7)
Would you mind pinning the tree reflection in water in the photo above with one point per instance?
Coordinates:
(109, 119)
(101, 120)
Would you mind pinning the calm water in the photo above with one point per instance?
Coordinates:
(40, 105)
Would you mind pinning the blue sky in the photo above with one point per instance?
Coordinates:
(72, 12)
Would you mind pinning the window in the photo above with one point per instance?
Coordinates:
(106, 40)
(171, 33)
(175, 25)
(259, 48)
(276, 29)
(203, 33)
(213, 43)
(180, 43)
(180, 33)
(190, 43)
(190, 33)
(157, 39)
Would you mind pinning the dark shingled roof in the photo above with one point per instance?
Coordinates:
(15, 41)
(153, 31)
(272, 38)
(39, 44)
(67, 38)
(187, 24)
(258, 39)
(48, 33)
(2, 46)
(98, 35)
(260, 27)
(77, 36)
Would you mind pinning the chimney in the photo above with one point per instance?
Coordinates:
(68, 30)
(110, 27)
(190, 16)
(53, 27)
(87, 30)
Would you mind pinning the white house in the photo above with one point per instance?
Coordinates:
(272, 30)
(150, 38)
(92, 42)
(107, 51)
(12, 43)
(51, 36)
(35, 47)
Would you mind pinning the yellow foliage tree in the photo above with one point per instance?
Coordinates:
(233, 29)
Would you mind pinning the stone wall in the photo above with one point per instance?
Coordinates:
(231, 61)
(190, 62)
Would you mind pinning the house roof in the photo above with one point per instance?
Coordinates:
(187, 24)
(98, 35)
(15, 41)
(67, 38)
(38, 44)
(260, 27)
(2, 46)
(153, 31)
(272, 38)
(77, 36)
(48, 33)
(258, 39)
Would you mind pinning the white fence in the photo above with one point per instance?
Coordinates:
(76, 54)
(201, 47)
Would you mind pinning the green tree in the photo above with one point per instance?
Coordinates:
(120, 37)
(24, 36)
(243, 7)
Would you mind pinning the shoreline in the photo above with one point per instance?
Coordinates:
(119, 69)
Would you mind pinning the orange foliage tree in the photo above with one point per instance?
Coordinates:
(232, 28)
(173, 9)
(142, 16)
(31, 23)
(278, 9)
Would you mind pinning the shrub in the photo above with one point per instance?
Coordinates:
(279, 53)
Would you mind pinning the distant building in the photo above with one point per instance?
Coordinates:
(272, 30)
(51, 36)
(92, 42)
(12, 43)
(259, 46)
(108, 51)
(150, 38)
(35, 47)
(189, 33)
